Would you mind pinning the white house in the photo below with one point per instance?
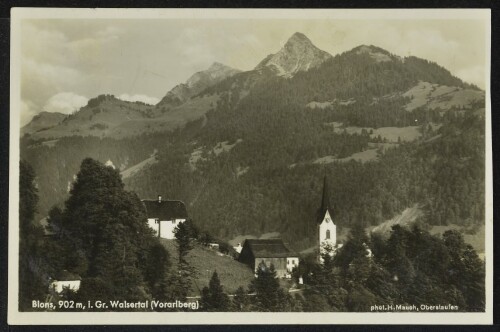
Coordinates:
(165, 216)
(238, 248)
(64, 280)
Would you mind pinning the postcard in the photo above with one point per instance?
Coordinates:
(250, 166)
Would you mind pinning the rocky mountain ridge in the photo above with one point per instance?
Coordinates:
(198, 82)
(298, 54)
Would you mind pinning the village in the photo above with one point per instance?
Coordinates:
(164, 216)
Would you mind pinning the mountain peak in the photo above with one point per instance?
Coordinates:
(217, 66)
(376, 53)
(216, 72)
(299, 36)
(43, 120)
(197, 83)
(298, 54)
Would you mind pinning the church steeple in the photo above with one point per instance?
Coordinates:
(327, 230)
(325, 201)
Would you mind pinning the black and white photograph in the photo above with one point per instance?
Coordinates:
(209, 166)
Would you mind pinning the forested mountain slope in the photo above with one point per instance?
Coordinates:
(41, 121)
(268, 181)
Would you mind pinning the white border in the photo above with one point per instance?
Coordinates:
(197, 318)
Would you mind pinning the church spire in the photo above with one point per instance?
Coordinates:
(325, 201)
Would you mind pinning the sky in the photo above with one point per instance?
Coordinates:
(66, 62)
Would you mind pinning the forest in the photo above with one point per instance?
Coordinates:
(101, 234)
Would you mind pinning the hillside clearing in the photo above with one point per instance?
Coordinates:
(241, 170)
(363, 156)
(51, 143)
(405, 219)
(329, 104)
(391, 134)
(220, 147)
(232, 273)
(434, 96)
(131, 171)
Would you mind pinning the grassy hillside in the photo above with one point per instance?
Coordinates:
(232, 274)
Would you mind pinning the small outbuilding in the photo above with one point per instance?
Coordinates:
(66, 279)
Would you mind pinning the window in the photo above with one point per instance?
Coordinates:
(328, 234)
(288, 262)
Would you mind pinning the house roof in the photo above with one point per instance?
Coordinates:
(165, 210)
(268, 248)
(65, 275)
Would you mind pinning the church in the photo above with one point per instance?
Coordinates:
(326, 228)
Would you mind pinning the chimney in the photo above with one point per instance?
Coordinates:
(159, 198)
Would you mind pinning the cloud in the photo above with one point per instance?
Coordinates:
(142, 98)
(65, 102)
(28, 111)
(56, 60)
(473, 74)
(194, 46)
(109, 33)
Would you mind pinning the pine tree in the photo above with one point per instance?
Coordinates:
(466, 271)
(213, 297)
(32, 273)
(106, 232)
(325, 282)
(240, 300)
(184, 241)
(269, 295)
(156, 267)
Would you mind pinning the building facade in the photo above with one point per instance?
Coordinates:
(269, 252)
(164, 216)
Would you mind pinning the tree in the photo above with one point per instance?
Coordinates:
(326, 282)
(156, 268)
(184, 242)
(213, 297)
(466, 270)
(106, 235)
(240, 300)
(354, 248)
(32, 271)
(269, 295)
(28, 196)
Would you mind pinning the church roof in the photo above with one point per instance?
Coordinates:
(268, 248)
(165, 210)
(325, 202)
